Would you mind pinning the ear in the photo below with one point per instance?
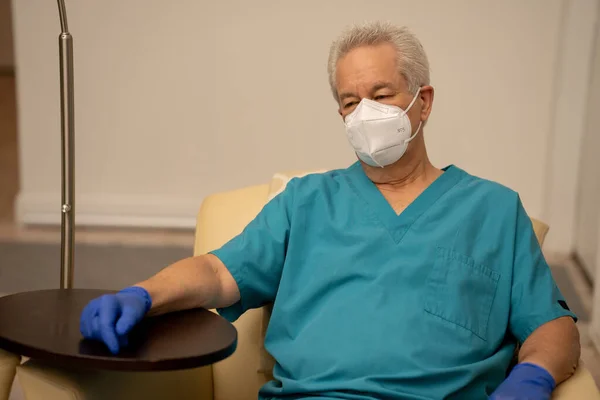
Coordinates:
(426, 96)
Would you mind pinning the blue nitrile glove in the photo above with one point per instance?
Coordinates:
(525, 382)
(111, 317)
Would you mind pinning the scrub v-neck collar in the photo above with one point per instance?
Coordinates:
(379, 208)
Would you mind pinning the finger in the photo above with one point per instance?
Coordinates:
(94, 327)
(129, 317)
(91, 308)
(83, 325)
(83, 328)
(91, 325)
(86, 317)
(109, 312)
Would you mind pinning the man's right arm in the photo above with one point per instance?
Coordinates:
(201, 281)
(254, 261)
(190, 283)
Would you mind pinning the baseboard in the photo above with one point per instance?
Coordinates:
(109, 210)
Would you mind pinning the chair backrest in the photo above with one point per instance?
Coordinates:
(221, 217)
(540, 229)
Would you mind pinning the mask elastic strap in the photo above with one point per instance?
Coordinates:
(413, 100)
(408, 108)
(413, 136)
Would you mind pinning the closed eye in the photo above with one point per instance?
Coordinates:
(381, 97)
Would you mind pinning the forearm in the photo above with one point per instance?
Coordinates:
(190, 283)
(555, 347)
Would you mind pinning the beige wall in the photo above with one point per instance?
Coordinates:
(176, 101)
(587, 235)
(6, 42)
(568, 120)
(587, 232)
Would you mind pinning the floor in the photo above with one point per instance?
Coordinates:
(10, 231)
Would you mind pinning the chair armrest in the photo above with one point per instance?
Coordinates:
(44, 382)
(579, 386)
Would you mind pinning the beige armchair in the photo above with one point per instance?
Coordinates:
(239, 377)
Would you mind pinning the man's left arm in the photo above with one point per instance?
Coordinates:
(539, 319)
(548, 357)
(555, 347)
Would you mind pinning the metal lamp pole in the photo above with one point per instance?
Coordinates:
(67, 114)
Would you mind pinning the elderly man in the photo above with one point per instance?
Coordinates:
(391, 278)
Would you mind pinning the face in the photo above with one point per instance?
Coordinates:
(371, 72)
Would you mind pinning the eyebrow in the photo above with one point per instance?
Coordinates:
(377, 86)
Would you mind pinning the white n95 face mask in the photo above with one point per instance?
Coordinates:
(380, 133)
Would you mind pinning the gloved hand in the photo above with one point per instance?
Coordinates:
(525, 382)
(111, 317)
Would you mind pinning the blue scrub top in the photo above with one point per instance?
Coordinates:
(428, 304)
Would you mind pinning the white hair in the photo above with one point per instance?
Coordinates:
(412, 60)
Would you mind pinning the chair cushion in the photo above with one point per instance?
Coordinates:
(580, 386)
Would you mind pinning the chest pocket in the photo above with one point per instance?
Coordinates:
(460, 291)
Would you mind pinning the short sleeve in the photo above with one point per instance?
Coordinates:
(256, 256)
(535, 297)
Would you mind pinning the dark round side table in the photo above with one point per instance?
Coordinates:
(44, 325)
